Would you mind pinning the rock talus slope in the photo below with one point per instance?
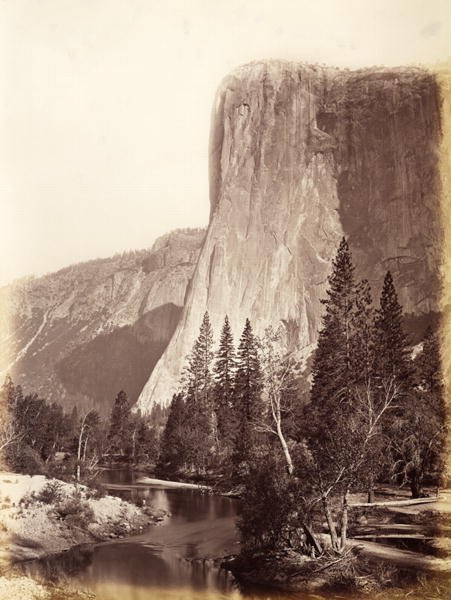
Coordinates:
(300, 156)
(81, 334)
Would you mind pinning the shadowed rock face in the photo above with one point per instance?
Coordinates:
(80, 335)
(301, 156)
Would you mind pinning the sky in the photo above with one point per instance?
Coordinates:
(105, 106)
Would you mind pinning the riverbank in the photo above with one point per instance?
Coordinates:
(396, 543)
(179, 554)
(40, 517)
(352, 575)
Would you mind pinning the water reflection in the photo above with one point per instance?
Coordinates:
(180, 554)
(138, 566)
(177, 560)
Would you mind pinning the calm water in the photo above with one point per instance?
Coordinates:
(175, 560)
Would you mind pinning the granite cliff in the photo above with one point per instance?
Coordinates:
(300, 156)
(81, 334)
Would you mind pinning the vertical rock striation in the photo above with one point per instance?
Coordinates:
(300, 156)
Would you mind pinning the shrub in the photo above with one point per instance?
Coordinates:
(63, 470)
(270, 507)
(75, 511)
(95, 491)
(24, 460)
(50, 493)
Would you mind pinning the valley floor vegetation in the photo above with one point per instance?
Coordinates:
(297, 447)
(295, 439)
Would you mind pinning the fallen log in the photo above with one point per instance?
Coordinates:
(393, 536)
(368, 527)
(411, 502)
(172, 484)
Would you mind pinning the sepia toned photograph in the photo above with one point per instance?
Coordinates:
(225, 290)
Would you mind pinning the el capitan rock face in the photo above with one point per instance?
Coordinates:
(301, 156)
(81, 334)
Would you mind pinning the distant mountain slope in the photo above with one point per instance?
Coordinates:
(81, 334)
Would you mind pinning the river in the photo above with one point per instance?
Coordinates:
(177, 559)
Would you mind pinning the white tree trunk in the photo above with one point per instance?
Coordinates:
(285, 448)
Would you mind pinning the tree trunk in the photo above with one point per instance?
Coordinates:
(415, 485)
(133, 445)
(311, 539)
(80, 440)
(344, 521)
(85, 448)
(285, 449)
(330, 524)
(371, 490)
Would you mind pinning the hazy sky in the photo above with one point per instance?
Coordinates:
(105, 105)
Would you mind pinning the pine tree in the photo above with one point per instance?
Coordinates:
(201, 425)
(332, 366)
(224, 373)
(343, 416)
(200, 360)
(430, 376)
(119, 423)
(420, 441)
(8, 392)
(393, 366)
(391, 345)
(146, 441)
(362, 344)
(247, 393)
(173, 442)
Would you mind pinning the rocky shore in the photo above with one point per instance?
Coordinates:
(40, 517)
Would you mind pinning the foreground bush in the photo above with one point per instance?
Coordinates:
(75, 511)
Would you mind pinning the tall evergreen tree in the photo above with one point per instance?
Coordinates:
(247, 393)
(344, 415)
(119, 423)
(224, 374)
(391, 345)
(201, 426)
(428, 363)
(173, 442)
(8, 392)
(332, 366)
(408, 426)
(200, 361)
(147, 442)
(362, 344)
(419, 433)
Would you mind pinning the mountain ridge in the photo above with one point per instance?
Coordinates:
(80, 334)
